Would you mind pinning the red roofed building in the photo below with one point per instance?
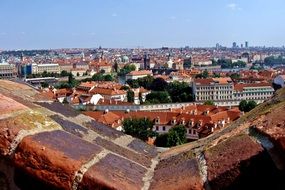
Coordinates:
(259, 92)
(214, 89)
(198, 123)
(138, 74)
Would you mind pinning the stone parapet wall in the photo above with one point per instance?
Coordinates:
(50, 146)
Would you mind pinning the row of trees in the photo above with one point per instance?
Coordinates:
(163, 92)
(271, 61)
(228, 64)
(52, 74)
(143, 129)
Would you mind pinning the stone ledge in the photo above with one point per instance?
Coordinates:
(54, 157)
(224, 160)
(177, 172)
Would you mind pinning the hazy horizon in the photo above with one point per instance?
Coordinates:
(52, 24)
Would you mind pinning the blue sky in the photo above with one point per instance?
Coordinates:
(37, 24)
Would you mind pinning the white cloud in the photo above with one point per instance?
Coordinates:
(234, 6)
(114, 15)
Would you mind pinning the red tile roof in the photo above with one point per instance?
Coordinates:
(240, 87)
(142, 72)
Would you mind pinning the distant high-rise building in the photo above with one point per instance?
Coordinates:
(217, 45)
(241, 45)
(246, 44)
(234, 45)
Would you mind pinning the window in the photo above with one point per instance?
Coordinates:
(157, 128)
(163, 128)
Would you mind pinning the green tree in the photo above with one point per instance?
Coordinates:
(140, 98)
(108, 78)
(217, 75)
(250, 105)
(235, 76)
(161, 140)
(71, 80)
(139, 128)
(45, 74)
(130, 96)
(204, 74)
(64, 73)
(98, 77)
(179, 91)
(146, 82)
(158, 84)
(127, 69)
(209, 102)
(63, 85)
(176, 136)
(242, 105)
(116, 67)
(157, 97)
(44, 84)
(133, 83)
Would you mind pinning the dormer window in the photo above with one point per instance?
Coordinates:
(182, 122)
(200, 123)
(206, 112)
(191, 123)
(157, 120)
(173, 121)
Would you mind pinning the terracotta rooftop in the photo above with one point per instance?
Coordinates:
(240, 87)
(142, 72)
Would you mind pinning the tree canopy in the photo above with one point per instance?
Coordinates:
(175, 136)
(127, 69)
(246, 106)
(157, 97)
(139, 128)
(102, 77)
(176, 91)
(130, 96)
(179, 92)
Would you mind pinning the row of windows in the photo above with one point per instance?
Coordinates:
(214, 88)
(257, 89)
(190, 131)
(211, 92)
(212, 97)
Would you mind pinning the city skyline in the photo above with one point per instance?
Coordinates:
(140, 23)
